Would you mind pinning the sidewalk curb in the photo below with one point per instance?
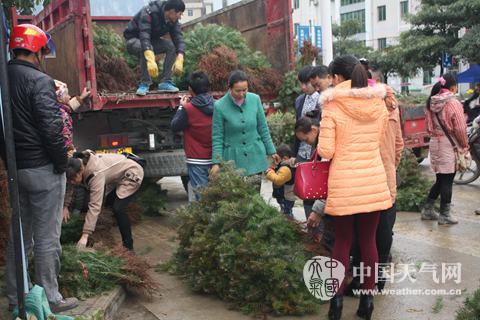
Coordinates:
(108, 304)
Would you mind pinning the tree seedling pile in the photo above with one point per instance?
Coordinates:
(218, 50)
(413, 186)
(239, 248)
(471, 308)
(85, 274)
(116, 69)
(282, 127)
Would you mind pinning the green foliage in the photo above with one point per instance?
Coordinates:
(344, 40)
(24, 6)
(290, 90)
(234, 245)
(151, 199)
(438, 306)
(72, 230)
(412, 100)
(390, 61)
(435, 30)
(471, 308)
(468, 46)
(202, 39)
(282, 127)
(110, 44)
(86, 274)
(413, 187)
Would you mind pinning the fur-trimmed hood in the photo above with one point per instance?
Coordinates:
(364, 104)
(439, 101)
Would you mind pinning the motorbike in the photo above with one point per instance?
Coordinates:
(473, 171)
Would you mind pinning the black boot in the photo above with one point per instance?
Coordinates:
(365, 308)
(336, 307)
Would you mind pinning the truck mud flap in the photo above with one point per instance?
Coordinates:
(165, 164)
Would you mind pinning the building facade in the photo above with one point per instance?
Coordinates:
(195, 9)
(382, 22)
(312, 21)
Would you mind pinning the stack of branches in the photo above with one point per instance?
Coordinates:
(88, 273)
(218, 50)
(116, 69)
(413, 186)
(236, 246)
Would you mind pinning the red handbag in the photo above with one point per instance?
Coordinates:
(311, 179)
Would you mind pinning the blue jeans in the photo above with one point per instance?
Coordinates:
(198, 175)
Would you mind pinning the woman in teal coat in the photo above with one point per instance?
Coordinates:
(239, 129)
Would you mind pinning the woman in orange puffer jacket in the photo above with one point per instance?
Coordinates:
(353, 121)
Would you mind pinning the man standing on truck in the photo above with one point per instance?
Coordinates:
(194, 118)
(41, 157)
(143, 39)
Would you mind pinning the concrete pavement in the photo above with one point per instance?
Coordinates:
(415, 242)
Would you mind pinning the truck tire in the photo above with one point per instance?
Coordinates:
(165, 164)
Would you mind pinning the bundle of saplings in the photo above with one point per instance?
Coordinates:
(218, 49)
(413, 186)
(116, 69)
(85, 274)
(471, 308)
(236, 246)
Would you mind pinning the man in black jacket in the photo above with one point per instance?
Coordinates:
(143, 39)
(41, 157)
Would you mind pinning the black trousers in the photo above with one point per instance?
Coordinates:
(119, 208)
(385, 233)
(443, 188)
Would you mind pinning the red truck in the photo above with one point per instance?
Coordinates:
(119, 120)
(414, 129)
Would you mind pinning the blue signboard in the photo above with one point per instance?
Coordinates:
(318, 37)
(303, 35)
(447, 60)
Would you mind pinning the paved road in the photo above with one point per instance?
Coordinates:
(416, 242)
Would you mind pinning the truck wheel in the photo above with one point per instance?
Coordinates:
(185, 181)
(165, 164)
(470, 175)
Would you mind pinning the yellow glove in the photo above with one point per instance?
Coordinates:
(151, 63)
(178, 65)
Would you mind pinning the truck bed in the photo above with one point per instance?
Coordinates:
(125, 100)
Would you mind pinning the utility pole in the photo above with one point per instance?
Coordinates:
(327, 38)
(6, 117)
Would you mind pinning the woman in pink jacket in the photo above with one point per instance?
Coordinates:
(445, 122)
(353, 121)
